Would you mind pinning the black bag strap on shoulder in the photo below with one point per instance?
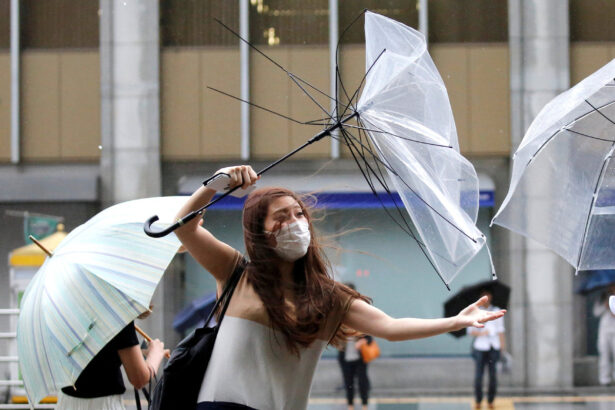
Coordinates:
(227, 293)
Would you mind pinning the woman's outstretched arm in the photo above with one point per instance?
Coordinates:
(214, 255)
(368, 319)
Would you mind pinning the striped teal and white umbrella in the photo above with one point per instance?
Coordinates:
(99, 279)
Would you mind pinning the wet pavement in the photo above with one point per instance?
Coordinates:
(590, 402)
(534, 402)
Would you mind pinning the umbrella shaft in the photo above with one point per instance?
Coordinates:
(317, 137)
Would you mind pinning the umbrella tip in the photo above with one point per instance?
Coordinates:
(40, 245)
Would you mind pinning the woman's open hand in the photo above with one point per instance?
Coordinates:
(473, 315)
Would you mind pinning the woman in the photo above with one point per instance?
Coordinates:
(286, 307)
(100, 386)
(489, 343)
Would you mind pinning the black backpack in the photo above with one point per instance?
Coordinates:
(179, 385)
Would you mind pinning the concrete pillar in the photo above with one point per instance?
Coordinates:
(130, 92)
(541, 319)
(130, 114)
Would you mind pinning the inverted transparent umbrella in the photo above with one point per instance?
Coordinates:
(402, 135)
(99, 279)
(562, 190)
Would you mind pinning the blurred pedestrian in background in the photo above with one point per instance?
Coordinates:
(354, 367)
(606, 337)
(489, 342)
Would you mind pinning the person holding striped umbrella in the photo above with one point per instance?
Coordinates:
(101, 385)
(76, 326)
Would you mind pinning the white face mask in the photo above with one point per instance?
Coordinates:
(293, 241)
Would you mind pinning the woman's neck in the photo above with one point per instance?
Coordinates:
(286, 272)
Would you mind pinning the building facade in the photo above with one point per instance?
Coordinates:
(115, 102)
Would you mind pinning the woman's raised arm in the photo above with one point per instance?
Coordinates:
(368, 319)
(214, 255)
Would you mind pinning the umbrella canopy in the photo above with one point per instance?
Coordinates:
(469, 294)
(194, 313)
(562, 190)
(405, 111)
(99, 279)
(596, 280)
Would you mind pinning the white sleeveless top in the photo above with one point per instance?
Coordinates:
(250, 363)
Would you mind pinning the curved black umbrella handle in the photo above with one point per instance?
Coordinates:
(147, 226)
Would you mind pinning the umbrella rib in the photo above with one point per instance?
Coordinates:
(422, 200)
(367, 178)
(363, 80)
(588, 113)
(593, 203)
(319, 121)
(365, 146)
(382, 182)
(262, 108)
(337, 50)
(566, 127)
(253, 47)
(339, 77)
(378, 130)
(541, 147)
(600, 112)
(293, 78)
(367, 173)
(587, 136)
(555, 134)
(374, 156)
(398, 209)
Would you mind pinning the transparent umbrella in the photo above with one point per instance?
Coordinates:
(562, 190)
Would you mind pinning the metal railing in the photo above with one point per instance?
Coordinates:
(15, 359)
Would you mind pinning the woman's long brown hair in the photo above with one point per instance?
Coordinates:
(315, 293)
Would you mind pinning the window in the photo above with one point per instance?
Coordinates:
(468, 21)
(5, 24)
(191, 22)
(284, 22)
(59, 24)
(592, 20)
(401, 10)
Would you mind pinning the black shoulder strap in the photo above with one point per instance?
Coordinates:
(231, 284)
